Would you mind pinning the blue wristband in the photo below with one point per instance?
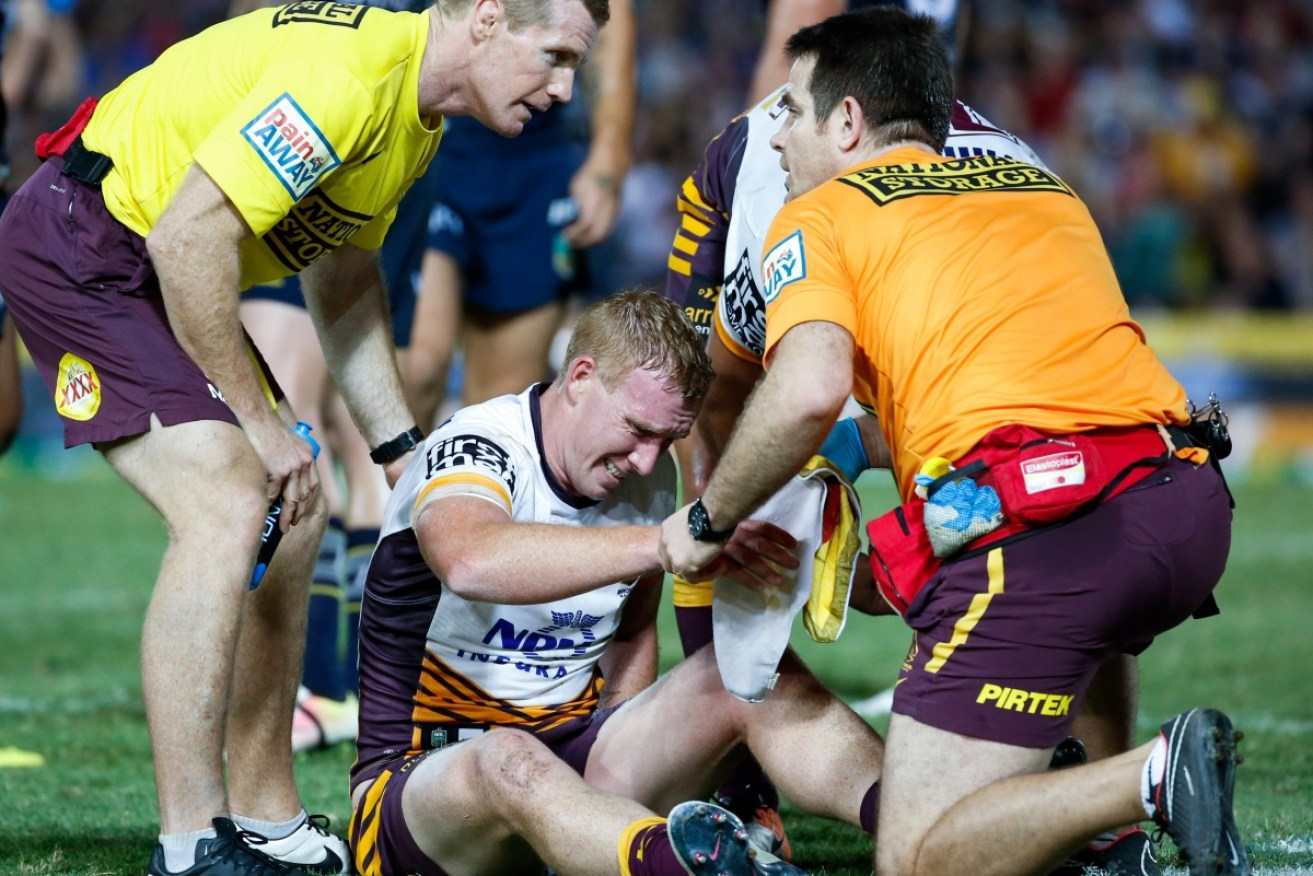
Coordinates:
(843, 447)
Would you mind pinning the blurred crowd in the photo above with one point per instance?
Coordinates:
(1186, 125)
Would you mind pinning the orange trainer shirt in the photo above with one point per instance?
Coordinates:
(979, 294)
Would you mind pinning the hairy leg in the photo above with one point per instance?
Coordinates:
(953, 804)
(266, 673)
(207, 483)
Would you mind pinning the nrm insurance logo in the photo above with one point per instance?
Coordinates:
(537, 643)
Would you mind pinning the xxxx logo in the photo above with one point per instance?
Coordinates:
(77, 388)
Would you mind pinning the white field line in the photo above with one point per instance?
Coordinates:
(112, 698)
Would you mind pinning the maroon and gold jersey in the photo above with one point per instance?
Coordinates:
(435, 667)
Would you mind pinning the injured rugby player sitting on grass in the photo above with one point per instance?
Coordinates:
(508, 647)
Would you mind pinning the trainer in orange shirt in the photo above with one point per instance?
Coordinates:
(971, 305)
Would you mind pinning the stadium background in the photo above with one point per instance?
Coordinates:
(1186, 125)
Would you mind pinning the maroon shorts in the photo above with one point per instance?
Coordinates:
(86, 302)
(381, 842)
(1006, 642)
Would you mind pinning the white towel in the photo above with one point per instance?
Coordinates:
(752, 627)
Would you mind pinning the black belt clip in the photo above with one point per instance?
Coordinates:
(1208, 426)
(84, 165)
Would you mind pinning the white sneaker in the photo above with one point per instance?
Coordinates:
(310, 847)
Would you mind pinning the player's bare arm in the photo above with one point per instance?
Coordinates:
(735, 379)
(194, 248)
(481, 554)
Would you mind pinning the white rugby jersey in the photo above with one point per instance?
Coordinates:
(435, 667)
(728, 204)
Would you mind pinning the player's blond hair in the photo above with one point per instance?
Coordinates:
(641, 329)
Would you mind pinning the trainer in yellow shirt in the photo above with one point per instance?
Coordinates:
(278, 142)
(962, 301)
(310, 137)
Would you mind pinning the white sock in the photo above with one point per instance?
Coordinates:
(180, 848)
(274, 830)
(1152, 775)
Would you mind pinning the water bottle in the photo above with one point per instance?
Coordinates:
(271, 534)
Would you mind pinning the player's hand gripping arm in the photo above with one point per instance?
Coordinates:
(345, 295)
(481, 554)
(194, 248)
(610, 79)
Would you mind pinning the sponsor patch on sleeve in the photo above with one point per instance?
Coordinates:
(291, 145)
(465, 451)
(786, 263)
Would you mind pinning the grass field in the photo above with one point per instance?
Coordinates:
(77, 559)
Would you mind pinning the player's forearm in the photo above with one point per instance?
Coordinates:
(630, 661)
(784, 18)
(726, 399)
(629, 666)
(528, 563)
(877, 450)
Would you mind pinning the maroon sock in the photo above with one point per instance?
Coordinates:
(694, 622)
(870, 810)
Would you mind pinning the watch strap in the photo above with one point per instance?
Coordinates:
(392, 450)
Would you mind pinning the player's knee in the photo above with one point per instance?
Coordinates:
(512, 767)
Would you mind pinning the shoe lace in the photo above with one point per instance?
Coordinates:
(319, 823)
(255, 860)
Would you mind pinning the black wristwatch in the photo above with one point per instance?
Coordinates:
(398, 447)
(699, 525)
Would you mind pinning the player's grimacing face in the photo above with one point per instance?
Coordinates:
(805, 150)
(626, 429)
(529, 69)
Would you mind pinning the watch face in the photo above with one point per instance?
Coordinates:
(699, 524)
(697, 520)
